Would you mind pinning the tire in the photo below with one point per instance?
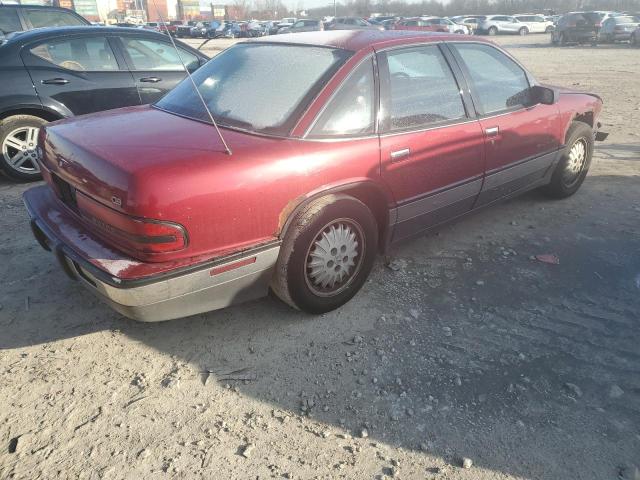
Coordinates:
(311, 229)
(634, 41)
(523, 31)
(549, 29)
(17, 132)
(493, 31)
(571, 172)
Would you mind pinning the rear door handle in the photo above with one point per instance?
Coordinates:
(400, 154)
(492, 132)
(151, 79)
(55, 81)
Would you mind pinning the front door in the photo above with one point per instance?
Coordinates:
(79, 74)
(432, 149)
(155, 65)
(520, 141)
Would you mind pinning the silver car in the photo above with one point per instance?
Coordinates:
(616, 29)
(352, 23)
(495, 24)
(306, 25)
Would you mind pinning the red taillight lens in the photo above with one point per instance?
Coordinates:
(135, 235)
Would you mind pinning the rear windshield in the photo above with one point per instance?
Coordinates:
(593, 17)
(259, 87)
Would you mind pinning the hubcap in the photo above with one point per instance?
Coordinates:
(334, 257)
(576, 162)
(19, 150)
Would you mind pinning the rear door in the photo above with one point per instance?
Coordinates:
(521, 139)
(155, 65)
(79, 73)
(431, 146)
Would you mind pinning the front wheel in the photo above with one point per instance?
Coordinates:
(327, 254)
(493, 31)
(18, 142)
(574, 163)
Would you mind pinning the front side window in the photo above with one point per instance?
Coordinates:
(259, 87)
(40, 18)
(351, 111)
(91, 54)
(499, 82)
(422, 89)
(154, 55)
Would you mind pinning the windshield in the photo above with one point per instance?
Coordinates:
(260, 87)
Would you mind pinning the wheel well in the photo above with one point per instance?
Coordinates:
(36, 112)
(373, 198)
(586, 117)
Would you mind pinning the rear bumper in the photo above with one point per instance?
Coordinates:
(185, 291)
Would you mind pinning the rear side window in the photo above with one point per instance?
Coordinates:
(422, 89)
(499, 82)
(91, 54)
(154, 55)
(9, 20)
(51, 18)
(351, 110)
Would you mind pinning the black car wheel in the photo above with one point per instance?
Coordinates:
(327, 254)
(18, 142)
(574, 163)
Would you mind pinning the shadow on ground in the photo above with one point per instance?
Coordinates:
(471, 347)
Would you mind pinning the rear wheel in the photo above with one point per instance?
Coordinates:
(523, 31)
(18, 142)
(493, 31)
(574, 163)
(549, 29)
(327, 254)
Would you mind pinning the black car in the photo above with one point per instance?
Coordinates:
(53, 73)
(17, 18)
(577, 27)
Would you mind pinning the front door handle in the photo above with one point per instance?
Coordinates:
(55, 81)
(492, 132)
(151, 79)
(400, 154)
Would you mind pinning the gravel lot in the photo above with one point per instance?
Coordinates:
(468, 348)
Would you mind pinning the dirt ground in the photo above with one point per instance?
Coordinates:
(468, 349)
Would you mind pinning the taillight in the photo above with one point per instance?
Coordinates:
(135, 235)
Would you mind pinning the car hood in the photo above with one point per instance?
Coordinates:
(126, 153)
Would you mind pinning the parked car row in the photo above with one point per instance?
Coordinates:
(596, 27)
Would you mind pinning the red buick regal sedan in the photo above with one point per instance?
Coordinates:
(342, 143)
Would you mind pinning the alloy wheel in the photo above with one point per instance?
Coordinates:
(19, 150)
(576, 162)
(335, 257)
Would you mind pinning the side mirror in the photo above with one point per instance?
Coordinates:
(542, 95)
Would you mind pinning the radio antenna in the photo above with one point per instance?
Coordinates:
(195, 87)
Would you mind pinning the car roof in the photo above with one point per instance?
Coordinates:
(355, 40)
(37, 33)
